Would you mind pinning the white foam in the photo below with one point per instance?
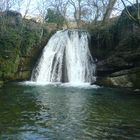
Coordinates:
(58, 84)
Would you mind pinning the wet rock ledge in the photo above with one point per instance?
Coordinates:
(117, 49)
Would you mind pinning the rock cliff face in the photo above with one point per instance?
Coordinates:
(21, 42)
(117, 49)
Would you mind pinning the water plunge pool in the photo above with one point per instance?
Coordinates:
(63, 112)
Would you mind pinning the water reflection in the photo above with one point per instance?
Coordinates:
(63, 113)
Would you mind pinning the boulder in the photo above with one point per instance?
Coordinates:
(126, 78)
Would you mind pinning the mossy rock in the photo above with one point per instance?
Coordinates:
(125, 79)
(18, 41)
(1, 83)
(23, 75)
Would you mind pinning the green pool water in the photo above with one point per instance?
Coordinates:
(59, 112)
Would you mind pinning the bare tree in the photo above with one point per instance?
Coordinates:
(42, 6)
(109, 9)
(133, 17)
(18, 5)
(27, 8)
(97, 9)
(97, 14)
(8, 4)
(61, 6)
(79, 8)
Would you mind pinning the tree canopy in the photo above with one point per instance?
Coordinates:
(79, 11)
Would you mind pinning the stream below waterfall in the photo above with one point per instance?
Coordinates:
(64, 112)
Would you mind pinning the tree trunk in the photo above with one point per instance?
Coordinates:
(109, 9)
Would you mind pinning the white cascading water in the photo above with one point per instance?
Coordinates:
(66, 58)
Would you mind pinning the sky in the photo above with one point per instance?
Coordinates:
(32, 8)
(34, 12)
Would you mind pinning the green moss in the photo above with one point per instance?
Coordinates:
(1, 83)
(20, 39)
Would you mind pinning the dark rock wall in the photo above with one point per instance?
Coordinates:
(117, 49)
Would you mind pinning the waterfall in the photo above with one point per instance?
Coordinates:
(66, 58)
